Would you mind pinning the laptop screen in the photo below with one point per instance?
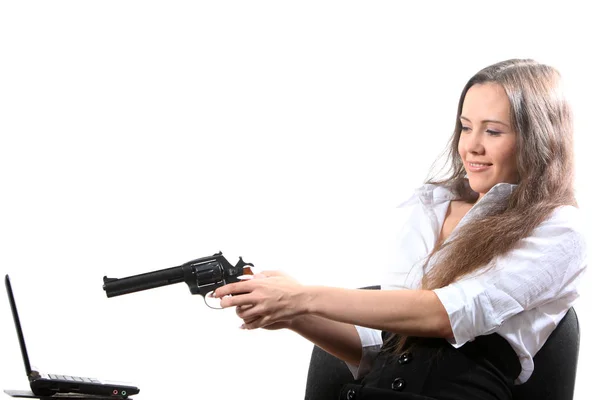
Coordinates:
(13, 307)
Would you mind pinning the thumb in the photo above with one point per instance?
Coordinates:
(271, 273)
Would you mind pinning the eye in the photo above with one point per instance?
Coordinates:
(493, 133)
(465, 129)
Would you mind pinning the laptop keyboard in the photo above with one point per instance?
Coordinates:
(68, 378)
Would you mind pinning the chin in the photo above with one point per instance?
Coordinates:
(480, 187)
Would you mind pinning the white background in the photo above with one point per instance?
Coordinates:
(137, 135)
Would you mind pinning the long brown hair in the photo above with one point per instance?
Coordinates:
(542, 121)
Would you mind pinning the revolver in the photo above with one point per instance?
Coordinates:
(202, 275)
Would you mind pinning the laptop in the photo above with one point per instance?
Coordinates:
(49, 384)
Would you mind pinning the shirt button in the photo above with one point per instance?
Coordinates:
(351, 395)
(398, 384)
(405, 358)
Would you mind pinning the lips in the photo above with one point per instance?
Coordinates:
(477, 166)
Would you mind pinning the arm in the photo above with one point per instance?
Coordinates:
(325, 315)
(277, 298)
(542, 268)
(406, 312)
(356, 345)
(339, 339)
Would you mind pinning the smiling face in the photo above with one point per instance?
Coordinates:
(487, 144)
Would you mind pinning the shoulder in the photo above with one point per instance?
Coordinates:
(566, 214)
(564, 218)
(564, 230)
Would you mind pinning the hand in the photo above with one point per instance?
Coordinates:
(284, 324)
(270, 300)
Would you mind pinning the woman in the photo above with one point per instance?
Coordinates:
(494, 250)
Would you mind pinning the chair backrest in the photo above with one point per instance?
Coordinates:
(553, 377)
(555, 365)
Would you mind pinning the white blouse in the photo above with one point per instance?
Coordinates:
(522, 297)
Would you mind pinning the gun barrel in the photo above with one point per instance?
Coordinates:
(116, 287)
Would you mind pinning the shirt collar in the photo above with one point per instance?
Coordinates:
(431, 194)
(499, 193)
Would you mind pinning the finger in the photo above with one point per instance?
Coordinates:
(239, 300)
(250, 312)
(232, 288)
(257, 323)
(248, 321)
(239, 310)
(270, 273)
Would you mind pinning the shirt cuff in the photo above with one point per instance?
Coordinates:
(469, 310)
(371, 344)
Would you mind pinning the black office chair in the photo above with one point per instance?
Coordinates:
(553, 377)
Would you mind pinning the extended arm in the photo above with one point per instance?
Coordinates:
(341, 339)
(336, 338)
(407, 312)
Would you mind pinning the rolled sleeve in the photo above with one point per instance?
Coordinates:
(471, 310)
(371, 344)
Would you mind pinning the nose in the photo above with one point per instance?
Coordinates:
(474, 143)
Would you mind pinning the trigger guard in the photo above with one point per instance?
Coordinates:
(210, 294)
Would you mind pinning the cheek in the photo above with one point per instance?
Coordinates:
(508, 160)
(461, 149)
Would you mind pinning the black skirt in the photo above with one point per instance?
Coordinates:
(432, 369)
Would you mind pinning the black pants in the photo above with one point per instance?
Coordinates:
(484, 369)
